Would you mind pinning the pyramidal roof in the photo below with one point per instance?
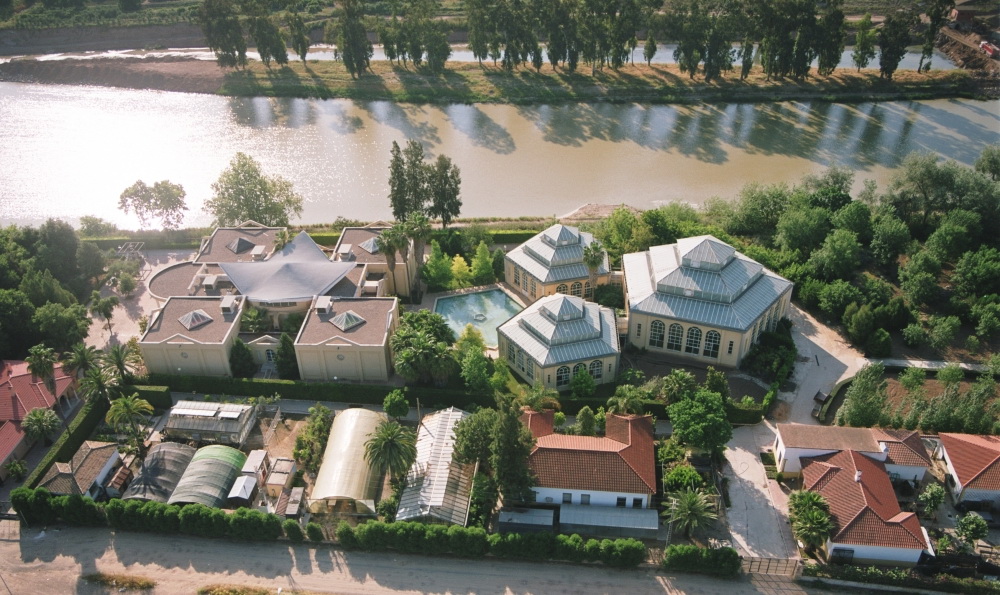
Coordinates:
(194, 319)
(563, 307)
(370, 245)
(345, 321)
(561, 235)
(240, 245)
(705, 249)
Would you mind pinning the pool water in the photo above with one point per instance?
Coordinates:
(485, 310)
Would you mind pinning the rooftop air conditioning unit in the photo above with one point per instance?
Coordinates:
(323, 304)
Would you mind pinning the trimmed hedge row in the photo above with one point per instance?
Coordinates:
(82, 426)
(899, 577)
(512, 236)
(474, 542)
(366, 394)
(157, 396)
(722, 561)
(740, 413)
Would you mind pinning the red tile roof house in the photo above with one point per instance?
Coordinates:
(973, 463)
(868, 525)
(901, 451)
(84, 475)
(19, 394)
(603, 485)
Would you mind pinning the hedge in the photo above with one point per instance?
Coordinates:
(722, 561)
(738, 412)
(325, 238)
(366, 394)
(900, 577)
(473, 542)
(157, 396)
(513, 236)
(82, 426)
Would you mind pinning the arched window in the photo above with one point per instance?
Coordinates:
(562, 288)
(576, 289)
(596, 369)
(675, 337)
(588, 291)
(712, 341)
(693, 340)
(581, 367)
(562, 376)
(656, 330)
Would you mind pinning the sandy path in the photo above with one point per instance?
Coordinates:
(53, 563)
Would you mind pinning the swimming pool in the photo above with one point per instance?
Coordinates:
(485, 310)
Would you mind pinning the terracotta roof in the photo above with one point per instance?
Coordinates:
(828, 437)
(11, 436)
(592, 463)
(318, 327)
(217, 247)
(167, 327)
(864, 512)
(20, 393)
(976, 459)
(81, 472)
(904, 447)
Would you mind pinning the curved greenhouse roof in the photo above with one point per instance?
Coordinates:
(344, 474)
(161, 470)
(209, 477)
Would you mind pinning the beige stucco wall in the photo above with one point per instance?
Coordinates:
(543, 289)
(368, 363)
(196, 359)
(548, 375)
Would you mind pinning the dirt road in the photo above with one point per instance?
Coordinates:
(52, 562)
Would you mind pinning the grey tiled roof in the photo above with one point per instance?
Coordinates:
(550, 342)
(556, 254)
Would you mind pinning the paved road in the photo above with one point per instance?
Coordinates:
(54, 561)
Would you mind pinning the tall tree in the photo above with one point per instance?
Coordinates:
(244, 192)
(41, 363)
(830, 38)
(220, 22)
(444, 181)
(352, 38)
(511, 444)
(125, 413)
(864, 43)
(241, 360)
(937, 14)
(594, 257)
(391, 241)
(122, 362)
(285, 359)
(865, 398)
(701, 421)
(62, 326)
(418, 227)
(41, 422)
(690, 509)
(267, 37)
(164, 201)
(893, 38)
(395, 404)
(298, 35)
(81, 358)
(393, 448)
(481, 268)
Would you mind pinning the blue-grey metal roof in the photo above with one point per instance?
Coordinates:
(610, 516)
(300, 270)
(642, 269)
(556, 254)
(550, 342)
(673, 274)
(705, 249)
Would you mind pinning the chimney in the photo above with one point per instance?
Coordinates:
(857, 476)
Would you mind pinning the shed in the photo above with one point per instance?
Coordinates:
(209, 477)
(161, 470)
(290, 503)
(244, 492)
(203, 421)
(280, 478)
(345, 477)
(258, 465)
(526, 520)
(609, 521)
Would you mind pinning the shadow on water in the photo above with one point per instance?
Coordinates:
(479, 128)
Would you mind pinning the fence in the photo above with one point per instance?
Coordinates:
(774, 566)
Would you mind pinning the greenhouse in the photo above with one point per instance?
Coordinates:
(209, 477)
(345, 477)
(161, 470)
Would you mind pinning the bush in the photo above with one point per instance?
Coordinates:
(682, 477)
(901, 578)
(315, 532)
(689, 558)
(293, 530)
(346, 537)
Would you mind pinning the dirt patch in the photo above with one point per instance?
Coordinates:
(163, 74)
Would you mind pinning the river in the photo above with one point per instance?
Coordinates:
(70, 151)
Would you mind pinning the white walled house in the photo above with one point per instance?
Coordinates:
(973, 463)
(900, 451)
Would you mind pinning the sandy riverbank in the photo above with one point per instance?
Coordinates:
(163, 74)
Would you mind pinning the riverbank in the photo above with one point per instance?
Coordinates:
(486, 83)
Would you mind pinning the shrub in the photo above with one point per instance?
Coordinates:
(718, 562)
(315, 532)
(293, 530)
(469, 542)
(682, 477)
(346, 536)
(372, 536)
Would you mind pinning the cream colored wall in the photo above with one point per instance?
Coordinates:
(543, 289)
(363, 363)
(194, 359)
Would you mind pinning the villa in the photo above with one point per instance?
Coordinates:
(552, 262)
(20, 392)
(558, 337)
(700, 299)
(973, 463)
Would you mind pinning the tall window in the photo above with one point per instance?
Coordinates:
(529, 369)
(656, 330)
(533, 287)
(693, 340)
(576, 289)
(588, 291)
(596, 369)
(638, 330)
(517, 276)
(562, 376)
(524, 282)
(712, 341)
(520, 360)
(730, 350)
(581, 367)
(675, 338)
(511, 352)
(270, 355)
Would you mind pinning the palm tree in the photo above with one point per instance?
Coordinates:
(626, 400)
(103, 307)
(98, 384)
(122, 362)
(690, 509)
(418, 227)
(812, 527)
(82, 357)
(126, 412)
(593, 257)
(42, 363)
(539, 397)
(390, 241)
(282, 239)
(801, 501)
(41, 422)
(678, 384)
(391, 447)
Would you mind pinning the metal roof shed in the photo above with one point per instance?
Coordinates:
(209, 477)
(526, 520)
(345, 474)
(244, 492)
(161, 470)
(609, 521)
